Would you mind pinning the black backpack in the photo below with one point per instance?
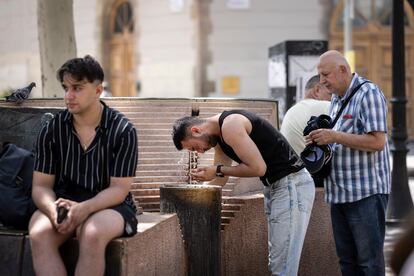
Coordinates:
(16, 173)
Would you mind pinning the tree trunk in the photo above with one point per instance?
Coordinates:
(56, 41)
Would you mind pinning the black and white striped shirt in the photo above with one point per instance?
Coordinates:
(112, 153)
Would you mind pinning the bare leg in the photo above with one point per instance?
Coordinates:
(45, 242)
(94, 235)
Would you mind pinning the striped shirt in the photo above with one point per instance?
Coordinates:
(358, 174)
(112, 153)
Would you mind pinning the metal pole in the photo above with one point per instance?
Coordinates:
(348, 17)
(400, 203)
(347, 27)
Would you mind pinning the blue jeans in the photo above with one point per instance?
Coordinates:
(359, 229)
(288, 204)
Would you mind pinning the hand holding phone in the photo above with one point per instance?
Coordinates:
(62, 213)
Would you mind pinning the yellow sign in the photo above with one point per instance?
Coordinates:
(350, 57)
(230, 85)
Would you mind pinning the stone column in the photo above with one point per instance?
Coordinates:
(198, 208)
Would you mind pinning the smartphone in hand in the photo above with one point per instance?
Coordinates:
(62, 213)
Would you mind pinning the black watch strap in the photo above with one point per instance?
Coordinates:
(218, 171)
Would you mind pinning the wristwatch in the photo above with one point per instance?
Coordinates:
(218, 171)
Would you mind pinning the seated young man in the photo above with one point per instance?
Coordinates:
(86, 159)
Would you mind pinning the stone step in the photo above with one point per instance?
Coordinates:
(143, 127)
(183, 108)
(161, 154)
(231, 183)
(137, 186)
(231, 207)
(156, 210)
(150, 173)
(160, 172)
(226, 192)
(146, 192)
(151, 185)
(226, 220)
(160, 178)
(155, 160)
(141, 180)
(154, 131)
(223, 226)
(144, 142)
(228, 213)
(140, 125)
(155, 137)
(150, 206)
(232, 200)
(156, 143)
(143, 199)
(137, 119)
(157, 166)
(144, 116)
(164, 149)
(165, 109)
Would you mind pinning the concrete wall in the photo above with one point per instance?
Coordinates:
(240, 38)
(167, 49)
(244, 241)
(318, 253)
(177, 50)
(88, 27)
(157, 249)
(19, 46)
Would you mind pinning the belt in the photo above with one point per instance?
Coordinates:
(267, 181)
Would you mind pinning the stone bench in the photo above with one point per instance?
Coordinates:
(244, 228)
(157, 249)
(159, 164)
(159, 236)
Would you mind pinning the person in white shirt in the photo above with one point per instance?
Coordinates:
(316, 102)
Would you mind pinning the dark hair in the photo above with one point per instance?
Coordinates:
(181, 129)
(81, 68)
(312, 82)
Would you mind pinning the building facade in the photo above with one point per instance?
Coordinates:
(193, 48)
(160, 48)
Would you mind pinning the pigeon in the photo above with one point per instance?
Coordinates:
(21, 94)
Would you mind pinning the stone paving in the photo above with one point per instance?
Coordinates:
(393, 232)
